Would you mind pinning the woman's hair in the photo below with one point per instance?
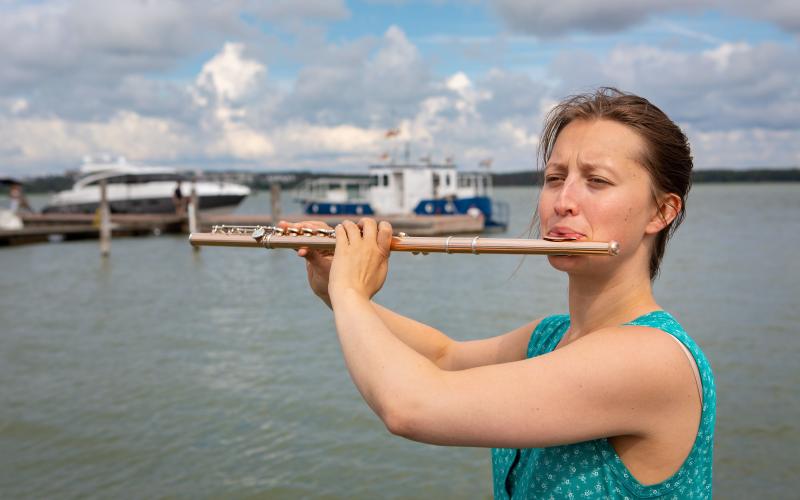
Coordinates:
(667, 156)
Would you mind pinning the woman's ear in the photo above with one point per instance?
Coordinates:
(669, 206)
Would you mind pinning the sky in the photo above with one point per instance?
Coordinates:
(315, 84)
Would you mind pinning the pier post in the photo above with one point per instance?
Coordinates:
(105, 221)
(192, 213)
(275, 201)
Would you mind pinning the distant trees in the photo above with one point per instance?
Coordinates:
(533, 177)
(289, 179)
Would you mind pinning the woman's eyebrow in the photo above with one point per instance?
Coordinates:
(594, 167)
(551, 165)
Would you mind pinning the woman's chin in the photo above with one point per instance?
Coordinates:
(570, 263)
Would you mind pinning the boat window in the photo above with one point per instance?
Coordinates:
(486, 182)
(435, 180)
(447, 180)
(352, 191)
(385, 179)
(374, 180)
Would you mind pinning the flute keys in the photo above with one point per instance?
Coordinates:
(259, 233)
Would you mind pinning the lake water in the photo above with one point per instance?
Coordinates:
(161, 373)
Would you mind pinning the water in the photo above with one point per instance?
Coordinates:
(163, 373)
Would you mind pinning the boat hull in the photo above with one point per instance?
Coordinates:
(495, 213)
(218, 203)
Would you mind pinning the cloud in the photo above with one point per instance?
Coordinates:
(739, 103)
(56, 142)
(299, 10)
(731, 86)
(373, 82)
(223, 83)
(95, 41)
(547, 19)
(228, 76)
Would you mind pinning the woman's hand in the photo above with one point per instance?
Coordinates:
(318, 262)
(361, 260)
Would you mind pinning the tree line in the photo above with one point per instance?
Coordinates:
(53, 183)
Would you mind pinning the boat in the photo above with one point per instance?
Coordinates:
(408, 189)
(133, 188)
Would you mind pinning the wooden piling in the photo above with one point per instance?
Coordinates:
(275, 200)
(105, 221)
(192, 212)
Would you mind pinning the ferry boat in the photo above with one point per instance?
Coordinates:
(132, 188)
(420, 190)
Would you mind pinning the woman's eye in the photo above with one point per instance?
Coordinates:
(598, 180)
(552, 178)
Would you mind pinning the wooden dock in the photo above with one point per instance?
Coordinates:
(39, 228)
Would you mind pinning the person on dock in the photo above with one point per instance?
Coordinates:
(613, 399)
(178, 200)
(18, 202)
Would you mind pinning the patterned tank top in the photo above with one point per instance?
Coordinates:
(592, 469)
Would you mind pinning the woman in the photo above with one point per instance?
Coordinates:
(613, 399)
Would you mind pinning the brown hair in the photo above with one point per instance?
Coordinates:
(667, 156)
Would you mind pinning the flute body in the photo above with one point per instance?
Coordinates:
(268, 237)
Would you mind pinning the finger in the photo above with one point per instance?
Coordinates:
(342, 240)
(385, 236)
(312, 224)
(353, 232)
(369, 228)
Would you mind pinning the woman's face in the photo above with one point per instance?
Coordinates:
(595, 189)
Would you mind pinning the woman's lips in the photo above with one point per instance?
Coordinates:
(564, 233)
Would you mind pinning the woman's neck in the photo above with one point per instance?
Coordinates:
(599, 303)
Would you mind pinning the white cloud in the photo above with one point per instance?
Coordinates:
(722, 54)
(299, 10)
(228, 75)
(731, 86)
(739, 102)
(738, 148)
(223, 82)
(546, 18)
(53, 141)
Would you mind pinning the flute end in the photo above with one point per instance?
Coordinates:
(613, 248)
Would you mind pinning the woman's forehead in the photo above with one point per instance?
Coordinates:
(596, 141)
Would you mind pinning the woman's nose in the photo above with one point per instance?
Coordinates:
(566, 200)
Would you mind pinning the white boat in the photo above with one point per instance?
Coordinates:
(421, 190)
(132, 188)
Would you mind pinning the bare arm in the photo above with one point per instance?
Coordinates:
(613, 382)
(449, 354)
(445, 352)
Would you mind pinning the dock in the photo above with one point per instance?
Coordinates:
(42, 228)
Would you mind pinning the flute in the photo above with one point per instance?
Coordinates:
(324, 239)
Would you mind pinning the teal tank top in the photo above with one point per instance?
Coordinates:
(592, 469)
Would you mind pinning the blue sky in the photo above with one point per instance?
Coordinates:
(314, 84)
